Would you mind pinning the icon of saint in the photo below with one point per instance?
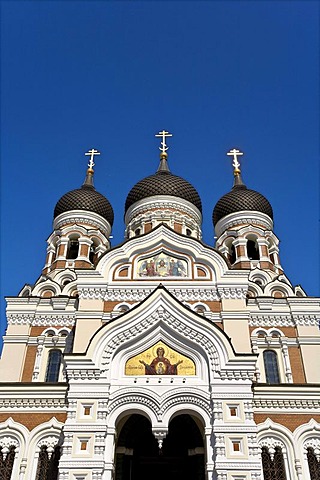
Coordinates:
(161, 365)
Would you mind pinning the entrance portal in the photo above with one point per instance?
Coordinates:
(138, 456)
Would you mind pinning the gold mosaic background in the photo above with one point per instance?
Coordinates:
(134, 367)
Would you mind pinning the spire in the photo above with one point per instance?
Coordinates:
(236, 165)
(88, 182)
(163, 167)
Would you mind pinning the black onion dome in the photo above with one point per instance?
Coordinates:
(85, 198)
(163, 182)
(241, 198)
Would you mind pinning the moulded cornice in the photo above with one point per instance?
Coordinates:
(162, 202)
(41, 320)
(243, 217)
(284, 320)
(91, 219)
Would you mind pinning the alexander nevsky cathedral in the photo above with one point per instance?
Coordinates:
(161, 358)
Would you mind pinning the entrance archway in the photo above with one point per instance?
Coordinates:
(138, 456)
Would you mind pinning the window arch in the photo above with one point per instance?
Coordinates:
(232, 256)
(313, 464)
(73, 248)
(53, 366)
(48, 463)
(271, 366)
(253, 249)
(273, 464)
(7, 457)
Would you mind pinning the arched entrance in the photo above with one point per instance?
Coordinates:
(138, 456)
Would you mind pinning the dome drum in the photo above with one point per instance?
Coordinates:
(246, 217)
(180, 215)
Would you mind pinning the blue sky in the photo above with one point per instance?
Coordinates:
(109, 75)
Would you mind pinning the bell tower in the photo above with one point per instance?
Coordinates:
(243, 222)
(82, 225)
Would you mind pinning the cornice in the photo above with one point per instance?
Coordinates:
(126, 293)
(246, 217)
(284, 320)
(41, 320)
(162, 202)
(91, 219)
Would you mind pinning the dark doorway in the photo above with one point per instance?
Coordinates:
(138, 456)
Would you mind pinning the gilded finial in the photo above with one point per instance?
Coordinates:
(236, 165)
(163, 149)
(91, 163)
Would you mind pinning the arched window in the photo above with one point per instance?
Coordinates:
(47, 468)
(73, 249)
(271, 366)
(273, 469)
(314, 465)
(53, 367)
(253, 250)
(232, 254)
(6, 462)
(188, 232)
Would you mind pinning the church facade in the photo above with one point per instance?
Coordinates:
(161, 357)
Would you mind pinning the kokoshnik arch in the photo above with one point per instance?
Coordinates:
(161, 357)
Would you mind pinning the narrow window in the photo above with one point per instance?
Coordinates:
(233, 411)
(232, 254)
(73, 249)
(314, 465)
(273, 469)
(53, 367)
(188, 232)
(6, 463)
(87, 410)
(271, 366)
(253, 250)
(43, 464)
(236, 446)
(93, 253)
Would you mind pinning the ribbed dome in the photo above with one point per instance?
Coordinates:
(241, 198)
(85, 198)
(163, 182)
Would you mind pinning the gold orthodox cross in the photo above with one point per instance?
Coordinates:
(92, 153)
(163, 135)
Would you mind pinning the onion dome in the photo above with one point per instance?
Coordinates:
(85, 198)
(240, 198)
(163, 182)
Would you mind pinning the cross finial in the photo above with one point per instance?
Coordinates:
(92, 153)
(163, 135)
(235, 153)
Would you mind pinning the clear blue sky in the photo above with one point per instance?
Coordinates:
(109, 75)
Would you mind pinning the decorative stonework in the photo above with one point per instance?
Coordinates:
(313, 443)
(283, 320)
(182, 294)
(143, 206)
(273, 403)
(41, 320)
(74, 217)
(33, 403)
(8, 441)
(271, 443)
(159, 406)
(175, 323)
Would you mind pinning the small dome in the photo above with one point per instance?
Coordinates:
(241, 198)
(163, 182)
(85, 198)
